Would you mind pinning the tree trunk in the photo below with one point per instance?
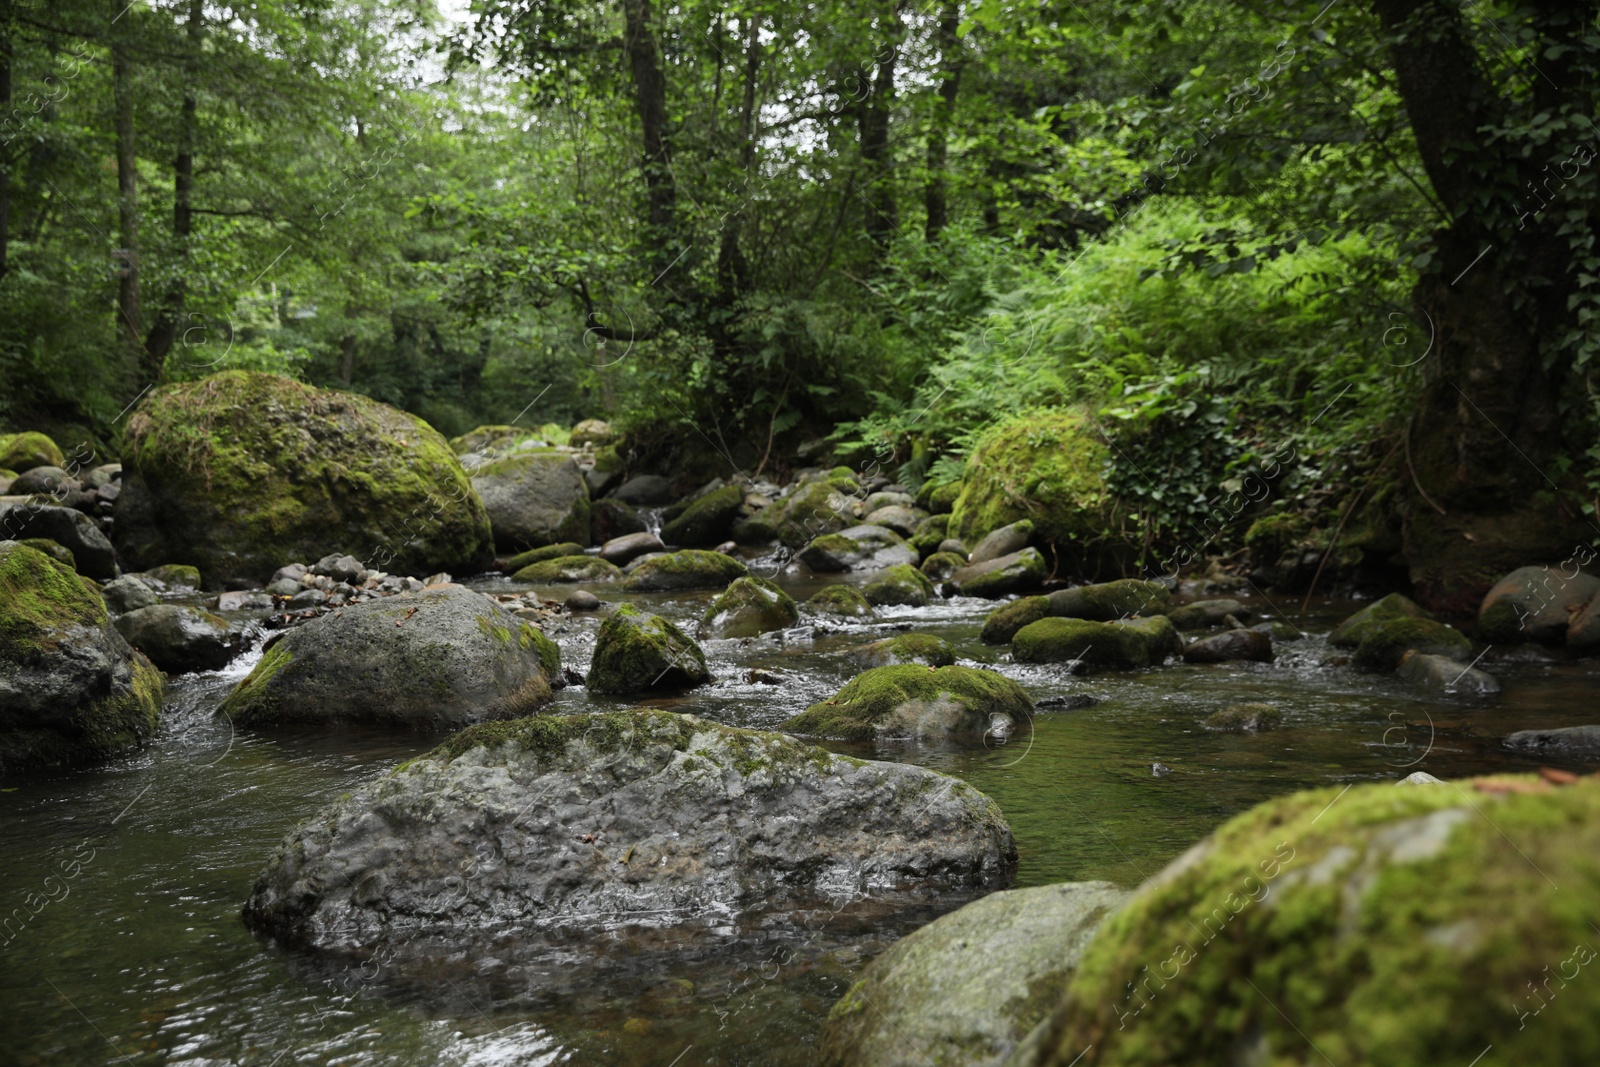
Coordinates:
(650, 99)
(1480, 499)
(935, 193)
(5, 142)
(129, 317)
(880, 217)
(165, 330)
(733, 270)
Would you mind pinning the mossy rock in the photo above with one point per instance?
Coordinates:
(842, 600)
(930, 533)
(942, 499)
(992, 579)
(1355, 925)
(71, 690)
(1244, 719)
(912, 700)
(926, 649)
(1207, 613)
(707, 520)
(534, 497)
(1048, 467)
(1004, 622)
(1387, 641)
(175, 575)
(21, 452)
(1106, 601)
(567, 569)
(860, 547)
(1350, 632)
(941, 565)
(241, 471)
(823, 506)
(58, 552)
(901, 585)
(497, 438)
(747, 608)
(636, 653)
(692, 568)
(755, 529)
(1124, 645)
(539, 555)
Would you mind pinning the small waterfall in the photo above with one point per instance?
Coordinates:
(652, 519)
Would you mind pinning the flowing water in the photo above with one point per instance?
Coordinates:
(121, 887)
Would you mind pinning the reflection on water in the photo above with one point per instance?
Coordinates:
(121, 888)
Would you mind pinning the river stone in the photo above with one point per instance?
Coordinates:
(592, 820)
(886, 499)
(1013, 537)
(644, 490)
(1578, 740)
(103, 475)
(45, 479)
(1444, 673)
(71, 690)
(596, 432)
(541, 554)
(1004, 622)
(173, 577)
(930, 533)
(707, 519)
(610, 518)
(691, 568)
(911, 700)
(858, 548)
(1203, 614)
(1250, 645)
(439, 659)
(1386, 641)
(903, 521)
(21, 452)
(1365, 924)
(128, 594)
(534, 498)
(1003, 576)
(842, 600)
(568, 569)
(904, 648)
(747, 608)
(620, 550)
(1533, 604)
(179, 640)
(635, 653)
(1124, 644)
(823, 506)
(965, 989)
(1244, 719)
(1110, 600)
(1349, 633)
(901, 585)
(941, 565)
(92, 554)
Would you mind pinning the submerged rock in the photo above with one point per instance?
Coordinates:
(1365, 924)
(1442, 672)
(71, 690)
(437, 660)
(594, 820)
(842, 600)
(1577, 740)
(916, 701)
(691, 568)
(1244, 719)
(901, 585)
(749, 607)
(636, 653)
(965, 989)
(180, 640)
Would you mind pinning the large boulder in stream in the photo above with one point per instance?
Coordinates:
(692, 568)
(240, 471)
(180, 639)
(1416, 927)
(749, 607)
(589, 821)
(637, 653)
(1002, 576)
(823, 505)
(534, 497)
(71, 690)
(965, 989)
(914, 701)
(21, 452)
(1125, 644)
(706, 520)
(435, 660)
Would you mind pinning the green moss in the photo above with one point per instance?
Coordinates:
(941, 565)
(1047, 467)
(930, 533)
(251, 699)
(531, 637)
(869, 701)
(942, 499)
(840, 599)
(1095, 644)
(1350, 632)
(900, 584)
(1004, 622)
(1385, 641)
(688, 569)
(1025, 571)
(59, 553)
(908, 648)
(635, 652)
(707, 519)
(748, 607)
(1306, 930)
(569, 569)
(21, 452)
(40, 600)
(539, 555)
(817, 508)
(176, 575)
(1110, 600)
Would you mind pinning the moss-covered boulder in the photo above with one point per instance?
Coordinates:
(900, 585)
(863, 547)
(842, 600)
(1384, 644)
(1534, 604)
(21, 452)
(1004, 622)
(822, 506)
(929, 534)
(178, 577)
(638, 653)
(567, 569)
(241, 471)
(1355, 925)
(941, 565)
(435, 660)
(748, 607)
(1003, 576)
(1243, 719)
(691, 568)
(58, 552)
(71, 690)
(540, 555)
(707, 520)
(1350, 632)
(1125, 644)
(914, 701)
(534, 497)
(595, 432)
(1105, 601)
(490, 440)
(965, 989)
(904, 648)
(180, 640)
(1047, 467)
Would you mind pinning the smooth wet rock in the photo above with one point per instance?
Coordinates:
(620, 550)
(905, 648)
(1244, 719)
(941, 565)
(902, 520)
(1577, 740)
(637, 653)
(534, 498)
(856, 548)
(1124, 644)
(71, 690)
(1004, 622)
(435, 660)
(180, 640)
(1106, 601)
(965, 989)
(45, 479)
(1018, 572)
(691, 568)
(128, 594)
(582, 600)
(644, 490)
(1203, 614)
(842, 600)
(900, 585)
(1444, 673)
(914, 701)
(1389, 609)
(1008, 539)
(92, 553)
(749, 607)
(707, 520)
(1534, 604)
(1386, 642)
(1249, 645)
(589, 821)
(568, 569)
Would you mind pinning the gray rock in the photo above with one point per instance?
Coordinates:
(1442, 672)
(592, 820)
(963, 990)
(1533, 604)
(624, 549)
(438, 659)
(103, 475)
(955, 546)
(1018, 572)
(1003, 542)
(43, 480)
(1206, 613)
(1578, 740)
(71, 529)
(284, 587)
(341, 568)
(292, 571)
(1230, 645)
(644, 490)
(244, 600)
(884, 499)
(902, 520)
(636, 653)
(534, 498)
(128, 594)
(179, 640)
(307, 598)
(863, 547)
(583, 600)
